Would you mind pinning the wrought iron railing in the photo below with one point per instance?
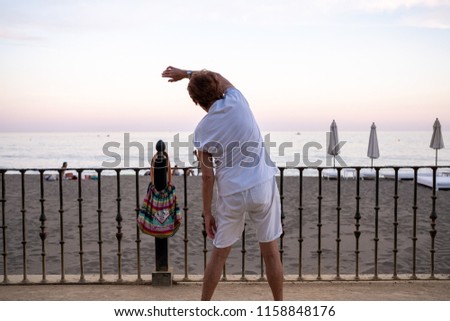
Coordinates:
(345, 221)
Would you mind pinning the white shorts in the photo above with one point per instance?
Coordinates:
(262, 203)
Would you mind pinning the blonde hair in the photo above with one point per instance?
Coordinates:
(204, 88)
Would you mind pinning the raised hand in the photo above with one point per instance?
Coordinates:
(175, 74)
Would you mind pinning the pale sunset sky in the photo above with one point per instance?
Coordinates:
(96, 65)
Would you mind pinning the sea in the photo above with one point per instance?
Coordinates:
(111, 150)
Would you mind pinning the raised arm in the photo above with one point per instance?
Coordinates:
(176, 74)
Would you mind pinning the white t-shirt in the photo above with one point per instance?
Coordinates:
(229, 132)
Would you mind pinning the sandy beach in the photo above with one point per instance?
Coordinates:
(15, 239)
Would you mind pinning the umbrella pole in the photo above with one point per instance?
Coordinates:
(436, 161)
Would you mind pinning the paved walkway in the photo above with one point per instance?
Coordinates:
(294, 291)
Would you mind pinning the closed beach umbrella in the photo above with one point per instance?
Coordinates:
(437, 142)
(373, 151)
(333, 143)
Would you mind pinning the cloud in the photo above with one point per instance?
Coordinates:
(392, 5)
(433, 14)
(431, 20)
(412, 13)
(17, 36)
(37, 19)
(429, 14)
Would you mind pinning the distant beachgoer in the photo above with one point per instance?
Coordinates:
(190, 172)
(51, 177)
(197, 163)
(176, 171)
(54, 177)
(243, 173)
(67, 175)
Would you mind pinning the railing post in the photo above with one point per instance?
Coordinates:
(3, 227)
(186, 239)
(282, 212)
(43, 233)
(433, 217)
(338, 225)
(24, 228)
(119, 233)
(61, 224)
(138, 235)
(243, 252)
(377, 209)
(357, 218)
(162, 276)
(396, 197)
(80, 225)
(205, 249)
(300, 225)
(376, 239)
(414, 235)
(319, 226)
(99, 222)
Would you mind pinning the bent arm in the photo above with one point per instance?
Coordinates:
(224, 83)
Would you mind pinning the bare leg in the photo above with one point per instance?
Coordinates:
(213, 271)
(274, 268)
